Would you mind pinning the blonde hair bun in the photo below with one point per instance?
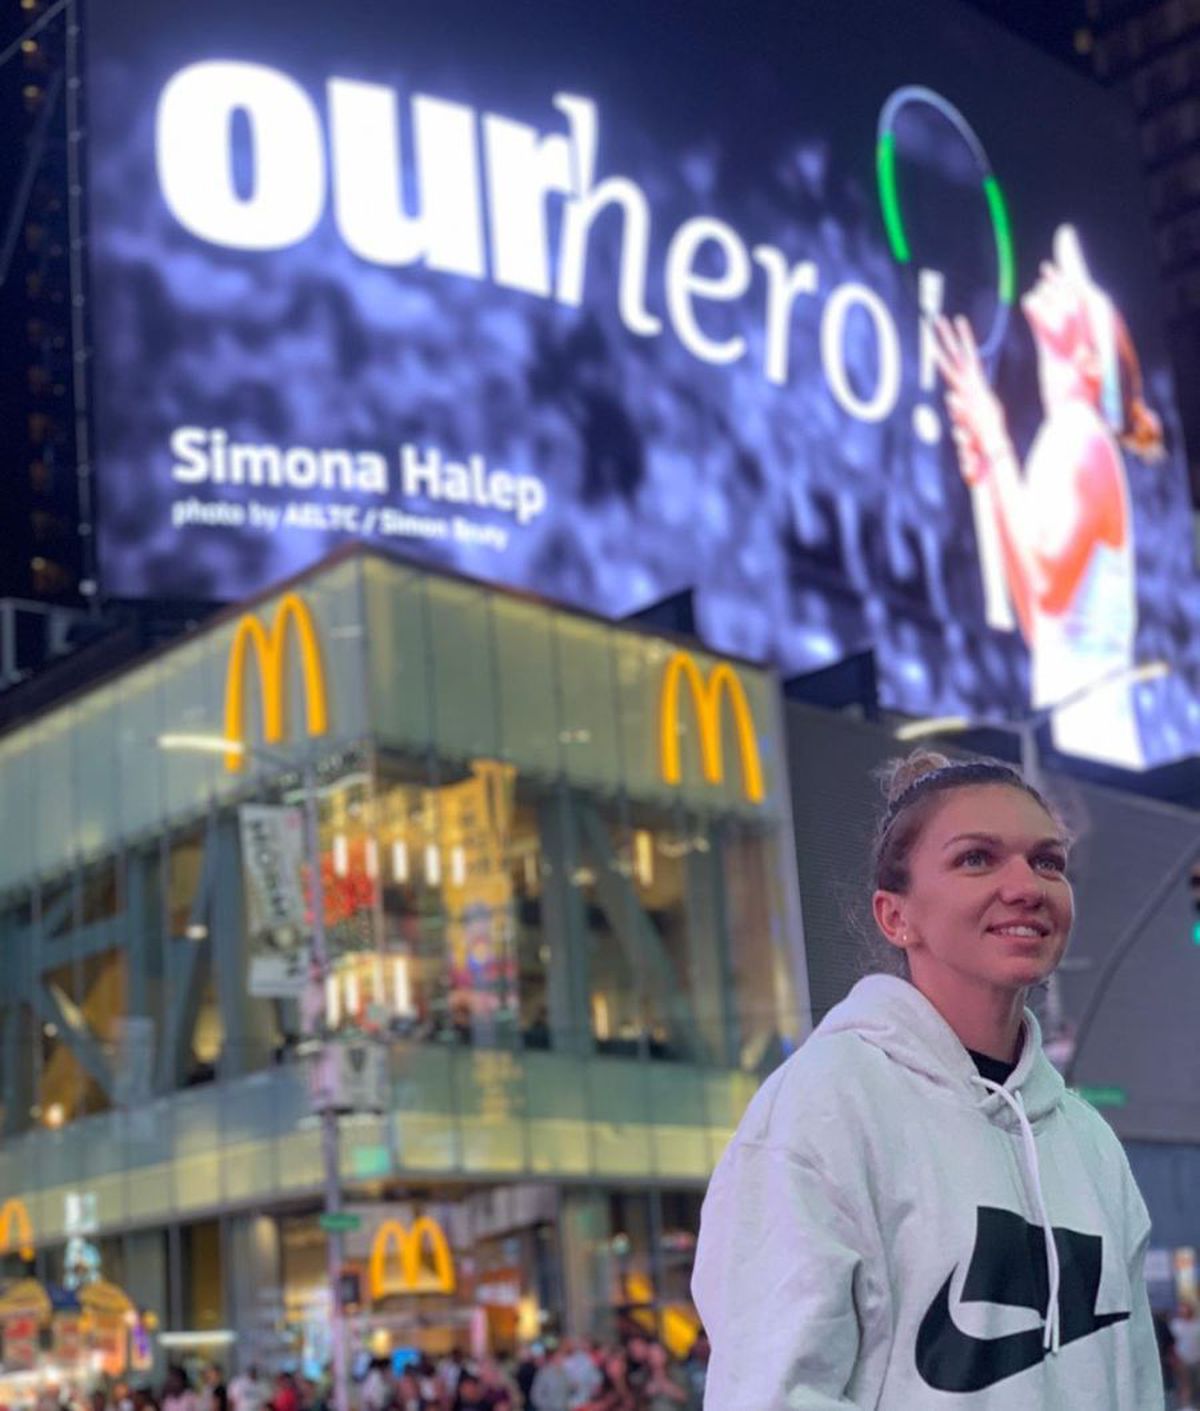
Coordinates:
(899, 775)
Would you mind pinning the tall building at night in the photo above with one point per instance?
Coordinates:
(40, 546)
(1151, 52)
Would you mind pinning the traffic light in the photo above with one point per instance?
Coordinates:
(1194, 883)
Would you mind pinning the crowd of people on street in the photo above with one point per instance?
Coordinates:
(1179, 1351)
(637, 1374)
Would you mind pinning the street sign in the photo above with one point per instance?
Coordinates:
(1104, 1097)
(339, 1221)
(368, 1161)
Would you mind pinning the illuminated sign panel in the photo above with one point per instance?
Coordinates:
(709, 694)
(268, 648)
(16, 1229)
(558, 299)
(399, 1264)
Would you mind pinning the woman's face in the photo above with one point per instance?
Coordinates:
(989, 903)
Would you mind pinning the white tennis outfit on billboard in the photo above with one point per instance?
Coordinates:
(1091, 639)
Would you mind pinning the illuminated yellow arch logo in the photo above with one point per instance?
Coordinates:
(16, 1229)
(409, 1273)
(292, 617)
(709, 694)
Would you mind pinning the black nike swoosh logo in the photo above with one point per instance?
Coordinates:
(950, 1360)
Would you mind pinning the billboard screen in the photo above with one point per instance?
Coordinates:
(793, 305)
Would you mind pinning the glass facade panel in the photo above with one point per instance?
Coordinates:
(17, 837)
(139, 767)
(97, 785)
(528, 703)
(53, 813)
(398, 658)
(587, 726)
(462, 658)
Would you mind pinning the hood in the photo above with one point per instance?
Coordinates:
(893, 1015)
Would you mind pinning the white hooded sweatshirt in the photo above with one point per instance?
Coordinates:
(889, 1231)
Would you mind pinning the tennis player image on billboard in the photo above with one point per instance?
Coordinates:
(612, 302)
(1065, 523)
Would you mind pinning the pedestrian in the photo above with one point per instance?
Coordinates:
(915, 1185)
(1185, 1329)
(615, 1392)
(695, 1370)
(527, 1370)
(637, 1363)
(551, 1390)
(248, 1391)
(377, 1385)
(177, 1392)
(498, 1392)
(213, 1395)
(663, 1389)
(449, 1370)
(1168, 1362)
(287, 1394)
(583, 1376)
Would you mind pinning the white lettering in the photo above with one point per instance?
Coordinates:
(436, 218)
(531, 498)
(250, 465)
(194, 142)
(430, 476)
(300, 468)
(420, 477)
(784, 283)
(188, 448)
(210, 456)
(683, 283)
(523, 169)
(368, 179)
(882, 402)
(580, 214)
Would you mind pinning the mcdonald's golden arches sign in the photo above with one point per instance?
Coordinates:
(16, 1229)
(710, 693)
(410, 1260)
(269, 647)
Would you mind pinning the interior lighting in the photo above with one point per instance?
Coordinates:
(218, 1337)
(433, 866)
(203, 744)
(333, 1002)
(643, 857)
(458, 866)
(353, 998)
(936, 725)
(400, 860)
(402, 985)
(341, 855)
(197, 931)
(55, 1115)
(372, 858)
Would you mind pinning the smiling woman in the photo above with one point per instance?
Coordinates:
(916, 1186)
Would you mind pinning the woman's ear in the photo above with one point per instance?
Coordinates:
(888, 910)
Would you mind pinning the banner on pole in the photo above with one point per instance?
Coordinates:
(272, 860)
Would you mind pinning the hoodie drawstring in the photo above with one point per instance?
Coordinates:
(1050, 1339)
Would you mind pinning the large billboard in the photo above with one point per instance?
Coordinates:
(818, 310)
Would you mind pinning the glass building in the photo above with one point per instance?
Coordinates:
(559, 891)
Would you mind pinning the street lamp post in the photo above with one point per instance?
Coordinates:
(318, 973)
